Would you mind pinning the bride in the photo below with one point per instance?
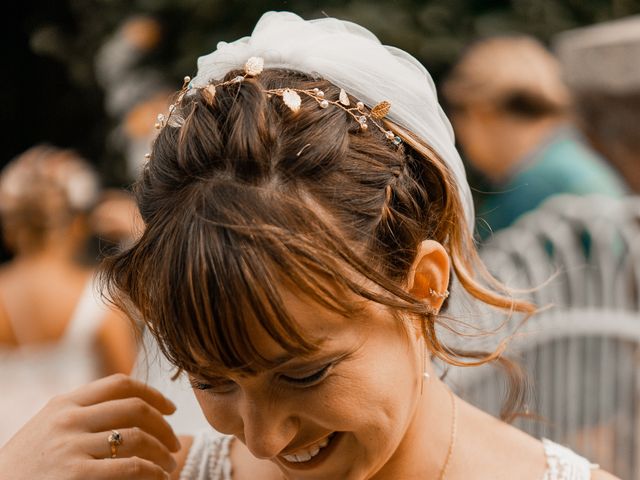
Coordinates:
(305, 213)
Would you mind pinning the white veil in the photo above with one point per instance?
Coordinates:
(350, 57)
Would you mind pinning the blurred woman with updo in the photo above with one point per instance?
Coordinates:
(55, 332)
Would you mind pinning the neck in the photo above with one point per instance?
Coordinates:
(58, 249)
(425, 447)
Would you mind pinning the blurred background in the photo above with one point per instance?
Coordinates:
(71, 65)
(551, 110)
(92, 75)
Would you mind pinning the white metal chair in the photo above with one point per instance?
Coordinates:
(583, 354)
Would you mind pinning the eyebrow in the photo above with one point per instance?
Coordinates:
(282, 360)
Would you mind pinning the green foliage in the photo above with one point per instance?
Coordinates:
(434, 31)
(72, 31)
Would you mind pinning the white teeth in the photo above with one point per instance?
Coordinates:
(303, 457)
(307, 454)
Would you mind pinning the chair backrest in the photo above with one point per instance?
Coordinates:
(582, 355)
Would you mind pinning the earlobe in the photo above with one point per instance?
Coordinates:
(428, 277)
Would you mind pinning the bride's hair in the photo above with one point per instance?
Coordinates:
(245, 195)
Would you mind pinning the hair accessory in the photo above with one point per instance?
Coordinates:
(115, 440)
(291, 97)
(431, 310)
(425, 373)
(353, 59)
(433, 293)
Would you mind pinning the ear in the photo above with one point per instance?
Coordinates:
(429, 273)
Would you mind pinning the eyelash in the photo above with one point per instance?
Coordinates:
(312, 379)
(309, 380)
(207, 386)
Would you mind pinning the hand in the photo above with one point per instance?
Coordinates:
(68, 438)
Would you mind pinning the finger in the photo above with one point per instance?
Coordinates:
(121, 386)
(133, 468)
(129, 413)
(135, 443)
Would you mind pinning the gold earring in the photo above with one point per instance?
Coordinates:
(425, 374)
(442, 295)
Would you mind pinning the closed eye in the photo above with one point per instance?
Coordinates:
(217, 386)
(310, 379)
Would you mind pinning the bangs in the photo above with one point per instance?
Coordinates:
(220, 276)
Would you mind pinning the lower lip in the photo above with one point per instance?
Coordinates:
(318, 459)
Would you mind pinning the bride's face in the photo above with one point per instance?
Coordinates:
(341, 413)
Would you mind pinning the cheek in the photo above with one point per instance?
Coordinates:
(375, 395)
(220, 411)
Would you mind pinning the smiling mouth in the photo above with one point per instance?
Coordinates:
(305, 455)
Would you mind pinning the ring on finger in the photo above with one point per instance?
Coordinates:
(115, 440)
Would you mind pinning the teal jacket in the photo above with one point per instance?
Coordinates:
(563, 164)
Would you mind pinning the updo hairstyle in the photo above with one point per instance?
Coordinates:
(243, 196)
(42, 191)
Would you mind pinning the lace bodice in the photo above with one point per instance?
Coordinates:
(209, 459)
(563, 464)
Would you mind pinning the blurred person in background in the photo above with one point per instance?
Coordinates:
(509, 110)
(601, 65)
(134, 90)
(55, 332)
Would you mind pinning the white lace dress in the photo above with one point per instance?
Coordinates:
(208, 459)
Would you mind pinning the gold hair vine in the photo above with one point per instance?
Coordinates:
(291, 97)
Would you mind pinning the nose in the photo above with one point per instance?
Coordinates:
(268, 426)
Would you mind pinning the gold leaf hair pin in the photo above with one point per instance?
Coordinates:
(292, 98)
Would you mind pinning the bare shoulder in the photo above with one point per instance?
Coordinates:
(602, 475)
(181, 456)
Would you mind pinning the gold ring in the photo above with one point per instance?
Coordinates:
(115, 440)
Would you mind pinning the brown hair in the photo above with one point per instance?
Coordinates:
(247, 195)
